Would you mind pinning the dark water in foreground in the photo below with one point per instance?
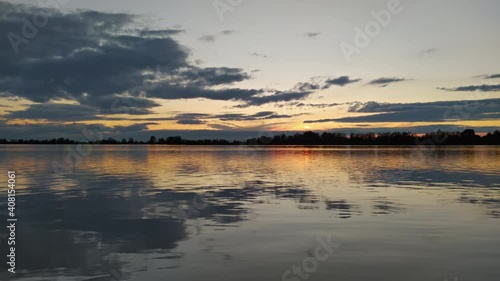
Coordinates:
(254, 213)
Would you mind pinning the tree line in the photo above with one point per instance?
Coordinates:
(466, 137)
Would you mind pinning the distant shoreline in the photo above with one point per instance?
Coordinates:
(466, 137)
(235, 145)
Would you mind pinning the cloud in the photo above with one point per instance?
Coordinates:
(258, 55)
(55, 112)
(201, 118)
(120, 104)
(365, 128)
(492, 76)
(274, 98)
(103, 64)
(160, 33)
(213, 76)
(473, 88)
(228, 32)
(429, 51)
(87, 111)
(95, 53)
(443, 111)
(190, 122)
(384, 81)
(208, 38)
(194, 118)
(318, 105)
(71, 131)
(263, 115)
(341, 81)
(221, 131)
(312, 35)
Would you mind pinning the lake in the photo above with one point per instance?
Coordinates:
(254, 213)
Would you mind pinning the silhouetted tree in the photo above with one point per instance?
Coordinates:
(152, 140)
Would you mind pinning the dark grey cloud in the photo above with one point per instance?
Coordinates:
(341, 81)
(192, 115)
(104, 63)
(492, 76)
(259, 55)
(421, 112)
(94, 53)
(276, 97)
(228, 32)
(384, 81)
(263, 115)
(473, 88)
(211, 38)
(429, 51)
(202, 118)
(215, 76)
(71, 131)
(208, 38)
(120, 104)
(299, 92)
(313, 105)
(366, 128)
(88, 110)
(160, 33)
(55, 112)
(191, 92)
(312, 34)
(190, 122)
(248, 97)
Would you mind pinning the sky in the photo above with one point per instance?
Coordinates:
(241, 68)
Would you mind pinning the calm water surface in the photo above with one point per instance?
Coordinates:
(253, 213)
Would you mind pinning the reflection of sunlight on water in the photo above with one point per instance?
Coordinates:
(134, 210)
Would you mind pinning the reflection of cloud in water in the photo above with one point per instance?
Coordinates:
(426, 178)
(106, 217)
(492, 204)
(344, 209)
(382, 206)
(115, 216)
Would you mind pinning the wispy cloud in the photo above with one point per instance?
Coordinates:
(312, 35)
(227, 32)
(341, 81)
(385, 81)
(492, 76)
(191, 122)
(259, 55)
(202, 118)
(312, 105)
(427, 52)
(419, 112)
(160, 33)
(208, 38)
(473, 88)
